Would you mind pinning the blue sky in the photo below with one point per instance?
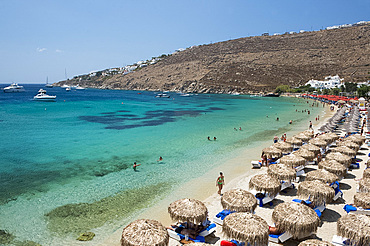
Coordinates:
(43, 38)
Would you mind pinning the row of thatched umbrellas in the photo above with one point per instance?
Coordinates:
(296, 218)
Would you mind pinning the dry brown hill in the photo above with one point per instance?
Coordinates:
(254, 64)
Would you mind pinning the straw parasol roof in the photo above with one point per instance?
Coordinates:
(322, 175)
(364, 185)
(339, 157)
(333, 135)
(144, 232)
(283, 146)
(296, 218)
(302, 137)
(239, 200)
(308, 133)
(362, 199)
(293, 160)
(188, 210)
(349, 144)
(327, 138)
(313, 148)
(246, 227)
(344, 150)
(294, 141)
(315, 242)
(282, 172)
(355, 227)
(317, 191)
(308, 155)
(318, 142)
(334, 167)
(368, 163)
(265, 183)
(357, 138)
(366, 174)
(274, 152)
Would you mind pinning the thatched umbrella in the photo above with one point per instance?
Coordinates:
(333, 135)
(366, 174)
(283, 146)
(315, 242)
(265, 183)
(294, 141)
(246, 227)
(318, 142)
(344, 150)
(274, 152)
(339, 157)
(333, 167)
(302, 137)
(188, 210)
(326, 137)
(362, 199)
(364, 185)
(368, 163)
(296, 218)
(349, 144)
(359, 139)
(293, 160)
(313, 148)
(318, 192)
(322, 175)
(355, 227)
(239, 200)
(282, 172)
(144, 232)
(308, 133)
(308, 155)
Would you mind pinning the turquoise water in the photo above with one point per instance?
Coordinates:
(66, 166)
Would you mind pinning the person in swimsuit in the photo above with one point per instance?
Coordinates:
(220, 182)
(135, 165)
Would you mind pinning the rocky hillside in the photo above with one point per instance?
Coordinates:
(253, 64)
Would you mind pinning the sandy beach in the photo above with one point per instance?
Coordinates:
(238, 176)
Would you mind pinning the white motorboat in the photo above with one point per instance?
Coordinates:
(64, 86)
(68, 89)
(78, 87)
(42, 96)
(14, 87)
(162, 95)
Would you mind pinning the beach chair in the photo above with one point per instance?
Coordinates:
(219, 218)
(256, 164)
(286, 184)
(263, 200)
(338, 192)
(318, 209)
(338, 240)
(231, 243)
(355, 165)
(179, 236)
(299, 170)
(211, 228)
(356, 210)
(280, 238)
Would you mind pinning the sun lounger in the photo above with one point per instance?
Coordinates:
(338, 240)
(318, 209)
(219, 218)
(355, 165)
(338, 192)
(263, 200)
(356, 210)
(209, 230)
(280, 238)
(299, 170)
(286, 184)
(179, 237)
(256, 164)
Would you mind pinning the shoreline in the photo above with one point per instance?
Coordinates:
(236, 170)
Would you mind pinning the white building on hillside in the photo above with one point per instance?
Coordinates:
(329, 82)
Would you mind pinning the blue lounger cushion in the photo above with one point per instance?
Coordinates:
(224, 213)
(349, 208)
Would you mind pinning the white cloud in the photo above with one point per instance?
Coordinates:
(58, 51)
(41, 49)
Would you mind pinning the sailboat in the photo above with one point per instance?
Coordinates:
(47, 83)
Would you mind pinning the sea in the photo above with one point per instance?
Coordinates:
(66, 167)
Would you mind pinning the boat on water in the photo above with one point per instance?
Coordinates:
(14, 87)
(78, 87)
(47, 83)
(163, 95)
(42, 96)
(68, 88)
(64, 86)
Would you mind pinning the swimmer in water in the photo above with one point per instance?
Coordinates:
(135, 165)
(160, 158)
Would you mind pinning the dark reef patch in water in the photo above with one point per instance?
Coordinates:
(77, 218)
(151, 118)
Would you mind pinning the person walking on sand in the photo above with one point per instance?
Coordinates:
(220, 182)
(135, 165)
(310, 125)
